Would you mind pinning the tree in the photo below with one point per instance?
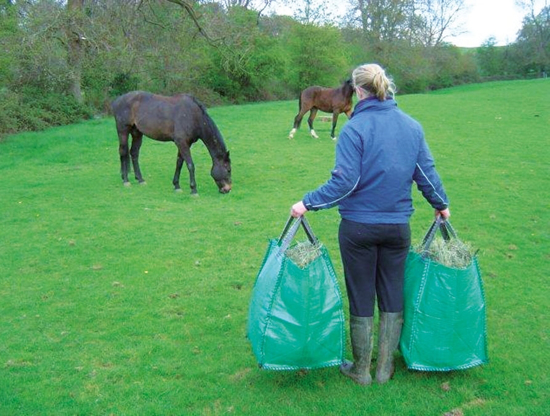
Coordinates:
(259, 5)
(75, 39)
(247, 58)
(318, 56)
(41, 51)
(313, 12)
(534, 38)
(8, 40)
(488, 58)
(383, 20)
(425, 22)
(439, 19)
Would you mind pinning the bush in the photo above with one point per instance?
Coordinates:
(31, 110)
(122, 83)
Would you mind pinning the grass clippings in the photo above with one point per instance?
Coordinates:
(303, 253)
(453, 253)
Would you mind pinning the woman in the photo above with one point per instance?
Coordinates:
(380, 152)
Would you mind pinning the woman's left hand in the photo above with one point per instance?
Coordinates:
(445, 213)
(298, 209)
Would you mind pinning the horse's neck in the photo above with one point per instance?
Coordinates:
(214, 144)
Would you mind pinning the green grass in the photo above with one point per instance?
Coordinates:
(133, 301)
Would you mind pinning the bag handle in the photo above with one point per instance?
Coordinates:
(290, 230)
(446, 229)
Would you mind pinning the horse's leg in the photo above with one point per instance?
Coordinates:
(176, 180)
(312, 115)
(184, 154)
(137, 138)
(124, 154)
(335, 115)
(297, 121)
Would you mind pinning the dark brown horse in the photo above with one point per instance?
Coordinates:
(329, 100)
(181, 119)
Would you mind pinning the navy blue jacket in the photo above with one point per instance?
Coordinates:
(380, 152)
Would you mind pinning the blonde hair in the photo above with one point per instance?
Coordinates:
(373, 79)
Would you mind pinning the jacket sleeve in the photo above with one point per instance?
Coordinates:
(344, 177)
(427, 179)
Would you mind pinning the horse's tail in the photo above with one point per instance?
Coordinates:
(115, 105)
(298, 120)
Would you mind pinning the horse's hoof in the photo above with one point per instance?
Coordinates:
(127, 184)
(291, 134)
(143, 183)
(178, 190)
(195, 195)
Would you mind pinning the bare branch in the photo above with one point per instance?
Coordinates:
(146, 19)
(188, 7)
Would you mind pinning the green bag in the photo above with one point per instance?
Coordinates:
(444, 312)
(296, 319)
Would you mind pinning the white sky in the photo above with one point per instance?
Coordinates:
(501, 19)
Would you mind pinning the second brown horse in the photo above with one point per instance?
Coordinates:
(329, 100)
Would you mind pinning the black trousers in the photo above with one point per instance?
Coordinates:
(373, 256)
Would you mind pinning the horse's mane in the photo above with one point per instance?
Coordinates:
(210, 123)
(347, 87)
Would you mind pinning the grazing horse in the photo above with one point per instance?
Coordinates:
(330, 100)
(181, 119)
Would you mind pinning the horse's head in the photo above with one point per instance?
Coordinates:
(347, 87)
(221, 172)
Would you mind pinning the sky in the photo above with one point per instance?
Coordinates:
(501, 19)
(482, 19)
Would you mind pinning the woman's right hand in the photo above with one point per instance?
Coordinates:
(445, 213)
(298, 209)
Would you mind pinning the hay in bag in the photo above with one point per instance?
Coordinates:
(444, 313)
(296, 319)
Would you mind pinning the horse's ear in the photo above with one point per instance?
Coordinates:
(227, 156)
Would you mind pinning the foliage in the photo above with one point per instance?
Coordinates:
(419, 68)
(318, 57)
(316, 12)
(450, 67)
(490, 59)
(134, 300)
(534, 41)
(417, 22)
(29, 110)
(123, 83)
(8, 41)
(231, 52)
(527, 57)
(40, 55)
(246, 59)
(439, 19)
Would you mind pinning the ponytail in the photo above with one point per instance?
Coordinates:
(373, 79)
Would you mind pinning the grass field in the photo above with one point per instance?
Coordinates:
(133, 300)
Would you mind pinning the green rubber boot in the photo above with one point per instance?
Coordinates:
(388, 340)
(361, 343)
